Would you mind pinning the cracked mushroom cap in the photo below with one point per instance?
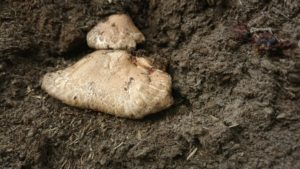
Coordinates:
(113, 82)
(117, 32)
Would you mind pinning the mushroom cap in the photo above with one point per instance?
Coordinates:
(117, 32)
(113, 82)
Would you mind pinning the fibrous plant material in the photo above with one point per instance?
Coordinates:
(117, 32)
(113, 82)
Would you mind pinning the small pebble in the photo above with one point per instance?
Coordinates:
(281, 116)
(30, 133)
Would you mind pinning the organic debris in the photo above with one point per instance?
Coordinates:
(241, 33)
(262, 38)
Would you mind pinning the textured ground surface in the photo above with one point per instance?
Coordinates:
(234, 108)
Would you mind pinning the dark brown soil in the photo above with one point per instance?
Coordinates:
(234, 107)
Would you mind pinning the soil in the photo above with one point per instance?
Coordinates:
(234, 107)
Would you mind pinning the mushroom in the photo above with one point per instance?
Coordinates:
(117, 32)
(113, 82)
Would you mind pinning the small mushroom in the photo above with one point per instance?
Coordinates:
(113, 82)
(117, 32)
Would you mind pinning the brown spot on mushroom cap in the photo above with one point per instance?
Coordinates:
(117, 32)
(109, 82)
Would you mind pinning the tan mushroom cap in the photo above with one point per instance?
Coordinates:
(117, 32)
(113, 82)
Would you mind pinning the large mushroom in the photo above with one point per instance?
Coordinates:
(113, 82)
(116, 32)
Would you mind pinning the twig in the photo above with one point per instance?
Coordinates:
(253, 30)
(192, 154)
(240, 1)
(118, 146)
